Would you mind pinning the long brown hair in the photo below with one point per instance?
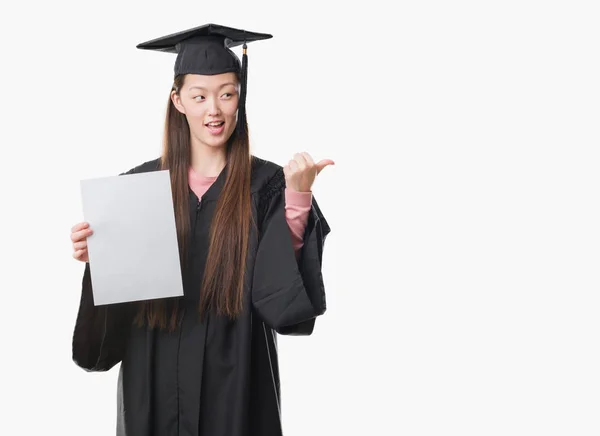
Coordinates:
(223, 280)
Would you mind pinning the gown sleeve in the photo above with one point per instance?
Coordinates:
(99, 337)
(288, 293)
(100, 334)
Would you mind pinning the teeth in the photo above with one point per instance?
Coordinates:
(215, 124)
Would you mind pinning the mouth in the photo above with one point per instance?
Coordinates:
(215, 127)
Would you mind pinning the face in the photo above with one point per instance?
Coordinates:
(210, 105)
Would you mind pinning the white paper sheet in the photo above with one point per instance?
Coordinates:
(133, 252)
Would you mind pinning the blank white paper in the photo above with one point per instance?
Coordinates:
(133, 252)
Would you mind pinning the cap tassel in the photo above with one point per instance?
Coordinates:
(242, 104)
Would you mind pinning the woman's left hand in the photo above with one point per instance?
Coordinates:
(301, 172)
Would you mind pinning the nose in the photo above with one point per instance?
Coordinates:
(213, 107)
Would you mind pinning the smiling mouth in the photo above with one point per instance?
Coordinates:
(215, 124)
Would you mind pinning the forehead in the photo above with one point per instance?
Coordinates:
(210, 82)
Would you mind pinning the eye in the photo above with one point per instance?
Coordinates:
(227, 95)
(199, 98)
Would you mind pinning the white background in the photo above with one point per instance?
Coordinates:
(462, 267)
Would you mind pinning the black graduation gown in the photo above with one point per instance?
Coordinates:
(217, 377)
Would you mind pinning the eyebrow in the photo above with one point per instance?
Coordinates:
(220, 87)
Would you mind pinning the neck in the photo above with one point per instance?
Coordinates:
(207, 161)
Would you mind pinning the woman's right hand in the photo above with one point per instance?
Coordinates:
(79, 235)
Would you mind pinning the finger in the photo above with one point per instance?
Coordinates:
(293, 165)
(79, 253)
(80, 235)
(308, 158)
(79, 226)
(298, 157)
(323, 163)
(286, 171)
(80, 245)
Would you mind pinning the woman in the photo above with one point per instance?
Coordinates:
(251, 243)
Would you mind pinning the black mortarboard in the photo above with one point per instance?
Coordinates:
(207, 50)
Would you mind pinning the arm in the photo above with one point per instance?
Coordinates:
(99, 337)
(288, 292)
(297, 209)
(100, 333)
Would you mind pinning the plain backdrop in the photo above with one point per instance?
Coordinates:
(462, 268)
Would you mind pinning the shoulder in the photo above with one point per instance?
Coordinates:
(268, 178)
(145, 167)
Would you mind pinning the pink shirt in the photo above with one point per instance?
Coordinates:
(297, 206)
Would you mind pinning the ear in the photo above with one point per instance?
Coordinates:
(176, 99)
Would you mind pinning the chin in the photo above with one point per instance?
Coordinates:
(215, 142)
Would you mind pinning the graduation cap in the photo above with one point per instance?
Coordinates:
(207, 50)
